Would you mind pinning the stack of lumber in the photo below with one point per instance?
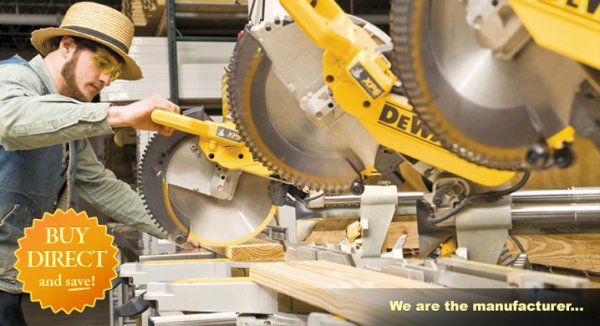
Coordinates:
(150, 20)
(134, 9)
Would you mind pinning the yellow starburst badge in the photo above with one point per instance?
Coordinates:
(66, 261)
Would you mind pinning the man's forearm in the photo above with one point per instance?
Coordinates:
(99, 187)
(29, 123)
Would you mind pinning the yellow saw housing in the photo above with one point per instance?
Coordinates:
(220, 145)
(567, 27)
(360, 79)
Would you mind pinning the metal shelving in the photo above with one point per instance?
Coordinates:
(173, 8)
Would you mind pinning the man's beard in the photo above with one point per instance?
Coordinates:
(68, 74)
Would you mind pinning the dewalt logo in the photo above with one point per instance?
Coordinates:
(407, 122)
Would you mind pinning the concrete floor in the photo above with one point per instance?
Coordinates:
(35, 315)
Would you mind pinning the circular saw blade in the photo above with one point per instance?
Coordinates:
(487, 110)
(183, 208)
(274, 68)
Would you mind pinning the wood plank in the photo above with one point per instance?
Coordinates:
(326, 236)
(335, 223)
(324, 274)
(326, 285)
(330, 230)
(287, 304)
(207, 280)
(398, 228)
(186, 261)
(254, 250)
(333, 230)
(574, 251)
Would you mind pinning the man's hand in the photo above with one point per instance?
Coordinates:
(137, 114)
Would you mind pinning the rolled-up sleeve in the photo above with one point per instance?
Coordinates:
(29, 120)
(99, 187)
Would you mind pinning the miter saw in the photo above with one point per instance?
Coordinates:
(315, 99)
(479, 82)
(199, 187)
(324, 101)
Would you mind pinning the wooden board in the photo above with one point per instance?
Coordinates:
(287, 304)
(325, 285)
(326, 236)
(324, 275)
(574, 251)
(254, 250)
(330, 230)
(186, 261)
(398, 228)
(333, 230)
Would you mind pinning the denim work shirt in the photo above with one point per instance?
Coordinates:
(33, 116)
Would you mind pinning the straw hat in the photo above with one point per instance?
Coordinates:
(98, 23)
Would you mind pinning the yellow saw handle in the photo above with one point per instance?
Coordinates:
(325, 23)
(220, 142)
(349, 51)
(207, 130)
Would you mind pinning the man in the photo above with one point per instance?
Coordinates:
(45, 117)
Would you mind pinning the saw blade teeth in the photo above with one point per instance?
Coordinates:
(141, 188)
(239, 118)
(406, 34)
(149, 186)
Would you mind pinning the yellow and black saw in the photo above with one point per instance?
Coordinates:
(495, 80)
(468, 90)
(312, 101)
(284, 111)
(190, 194)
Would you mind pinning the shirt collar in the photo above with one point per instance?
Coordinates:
(39, 65)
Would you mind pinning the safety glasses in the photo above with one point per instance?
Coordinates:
(106, 66)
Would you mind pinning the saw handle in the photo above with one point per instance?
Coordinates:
(353, 66)
(205, 129)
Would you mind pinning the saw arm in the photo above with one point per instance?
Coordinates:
(361, 81)
(195, 184)
(220, 142)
